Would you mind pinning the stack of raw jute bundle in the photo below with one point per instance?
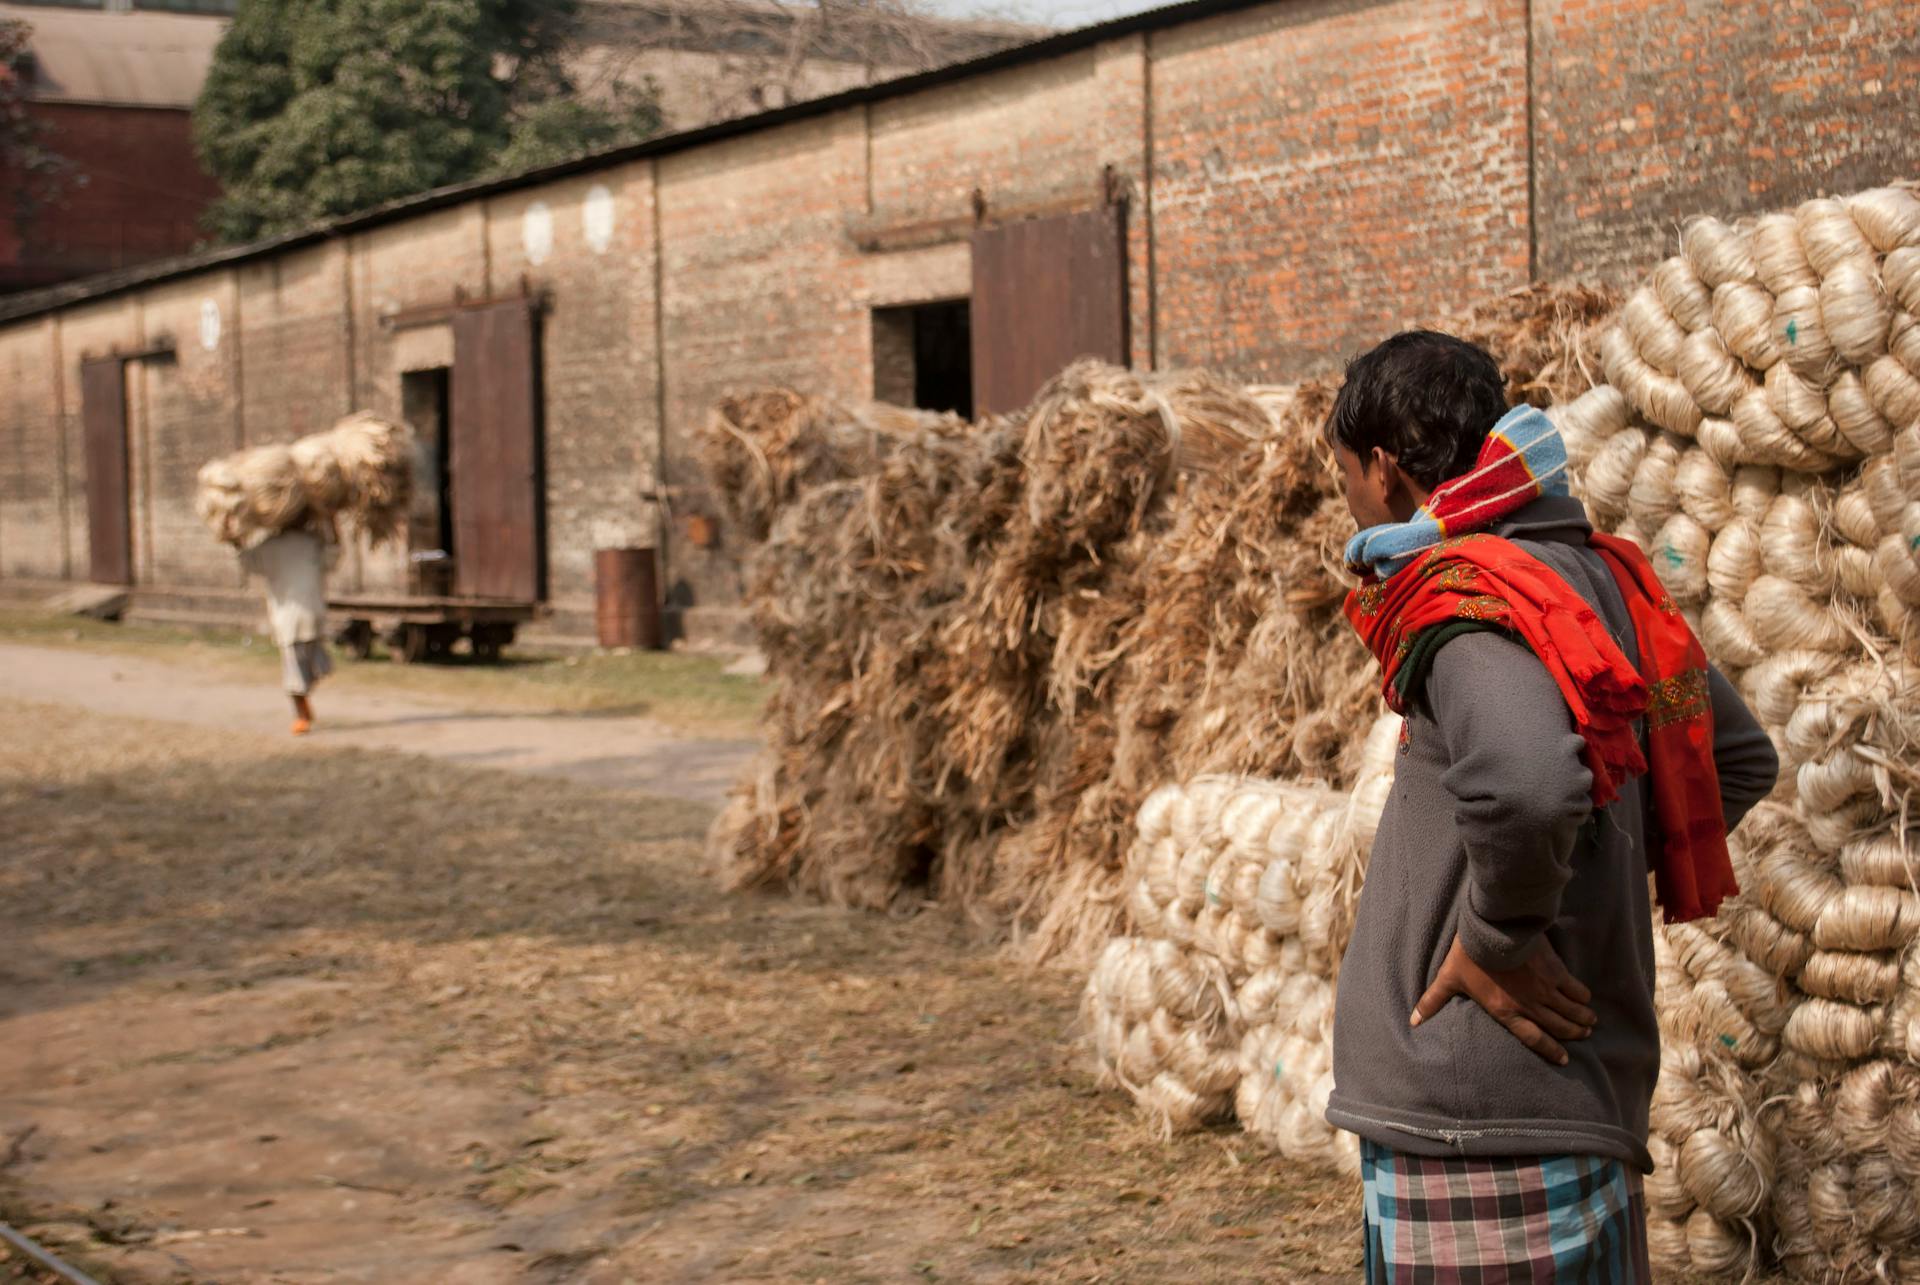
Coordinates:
(360, 471)
(989, 646)
(1241, 892)
(1760, 437)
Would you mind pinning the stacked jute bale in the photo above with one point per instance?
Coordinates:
(1240, 893)
(989, 645)
(360, 471)
(1759, 436)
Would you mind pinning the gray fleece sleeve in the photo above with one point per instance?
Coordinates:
(1742, 755)
(1519, 786)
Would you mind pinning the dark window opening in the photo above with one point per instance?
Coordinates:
(923, 356)
(423, 404)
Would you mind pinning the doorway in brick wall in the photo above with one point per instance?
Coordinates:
(923, 356)
(423, 404)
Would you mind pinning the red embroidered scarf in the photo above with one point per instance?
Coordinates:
(1483, 582)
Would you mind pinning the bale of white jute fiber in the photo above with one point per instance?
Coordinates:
(1854, 311)
(1716, 253)
(1777, 684)
(1721, 439)
(1800, 333)
(1900, 274)
(1727, 637)
(1830, 782)
(1714, 376)
(1829, 235)
(1735, 561)
(1743, 314)
(1657, 337)
(1588, 420)
(1854, 414)
(1888, 216)
(1903, 341)
(1779, 260)
(1850, 977)
(1784, 618)
(1769, 943)
(1831, 1032)
(1754, 486)
(1686, 298)
(1651, 498)
(1610, 473)
(1853, 517)
(1752, 989)
(1894, 389)
(1868, 917)
(1679, 557)
(1704, 489)
(1880, 860)
(1766, 437)
(1660, 397)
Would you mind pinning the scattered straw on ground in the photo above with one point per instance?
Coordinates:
(653, 1080)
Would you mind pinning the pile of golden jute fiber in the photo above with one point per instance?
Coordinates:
(991, 642)
(360, 471)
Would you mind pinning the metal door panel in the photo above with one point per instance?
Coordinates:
(494, 453)
(1045, 292)
(103, 422)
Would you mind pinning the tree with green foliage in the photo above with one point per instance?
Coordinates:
(32, 175)
(318, 108)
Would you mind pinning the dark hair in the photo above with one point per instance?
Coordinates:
(1425, 398)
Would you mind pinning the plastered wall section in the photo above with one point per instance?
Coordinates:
(1326, 171)
(34, 539)
(182, 412)
(1649, 112)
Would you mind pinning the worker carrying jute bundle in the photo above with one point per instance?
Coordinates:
(293, 564)
(280, 506)
(1494, 1043)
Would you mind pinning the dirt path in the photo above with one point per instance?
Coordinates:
(618, 751)
(310, 1012)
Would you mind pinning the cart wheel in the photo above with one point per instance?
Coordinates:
(440, 640)
(409, 646)
(489, 640)
(358, 639)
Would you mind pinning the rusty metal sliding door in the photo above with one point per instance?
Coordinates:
(1046, 291)
(103, 423)
(494, 453)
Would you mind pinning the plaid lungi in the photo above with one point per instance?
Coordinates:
(1547, 1220)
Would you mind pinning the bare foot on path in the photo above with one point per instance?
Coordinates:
(628, 752)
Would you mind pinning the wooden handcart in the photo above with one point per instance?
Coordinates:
(426, 628)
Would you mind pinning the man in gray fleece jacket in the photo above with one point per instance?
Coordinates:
(1495, 1043)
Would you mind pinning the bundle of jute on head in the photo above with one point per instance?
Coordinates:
(359, 472)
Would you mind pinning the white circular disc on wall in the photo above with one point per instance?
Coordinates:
(596, 218)
(536, 232)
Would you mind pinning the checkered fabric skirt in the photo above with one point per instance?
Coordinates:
(1546, 1220)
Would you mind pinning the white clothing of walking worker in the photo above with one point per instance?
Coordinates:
(294, 566)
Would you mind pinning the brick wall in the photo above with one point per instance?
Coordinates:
(1303, 177)
(1326, 170)
(1648, 112)
(136, 192)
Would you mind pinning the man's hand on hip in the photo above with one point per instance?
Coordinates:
(1540, 1001)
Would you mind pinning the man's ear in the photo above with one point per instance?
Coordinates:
(1387, 464)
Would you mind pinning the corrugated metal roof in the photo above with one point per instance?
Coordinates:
(122, 59)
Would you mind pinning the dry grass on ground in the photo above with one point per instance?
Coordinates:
(562, 1055)
(688, 692)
